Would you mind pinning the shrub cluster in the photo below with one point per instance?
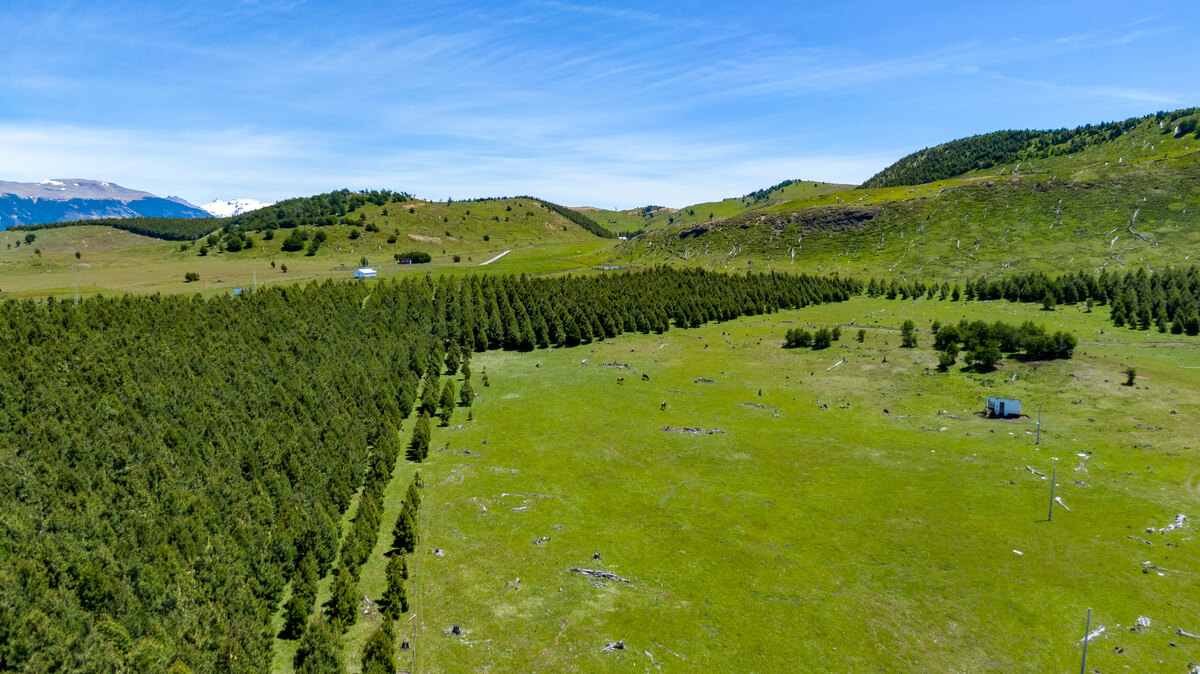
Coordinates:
(414, 256)
(983, 344)
(821, 338)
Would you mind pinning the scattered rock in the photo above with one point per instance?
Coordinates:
(1094, 633)
(1180, 520)
(691, 431)
(437, 552)
(706, 380)
(596, 556)
(543, 539)
(614, 646)
(456, 630)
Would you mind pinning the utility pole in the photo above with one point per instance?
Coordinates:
(1053, 473)
(1087, 628)
(1039, 432)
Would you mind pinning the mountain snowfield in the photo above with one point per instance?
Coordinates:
(220, 208)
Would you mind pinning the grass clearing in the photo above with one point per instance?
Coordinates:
(818, 531)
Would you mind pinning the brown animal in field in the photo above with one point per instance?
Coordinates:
(663, 406)
(620, 380)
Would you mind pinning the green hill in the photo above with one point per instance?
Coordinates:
(1152, 135)
(341, 207)
(633, 221)
(241, 251)
(1129, 201)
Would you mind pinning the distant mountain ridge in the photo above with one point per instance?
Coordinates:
(71, 199)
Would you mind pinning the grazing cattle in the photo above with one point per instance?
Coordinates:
(663, 406)
(645, 377)
(620, 380)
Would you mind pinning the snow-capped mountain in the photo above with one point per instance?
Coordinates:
(223, 209)
(69, 199)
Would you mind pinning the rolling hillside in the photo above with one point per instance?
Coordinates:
(1129, 201)
(115, 257)
(1127, 197)
(1134, 139)
(648, 218)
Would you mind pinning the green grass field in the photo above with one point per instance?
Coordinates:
(847, 519)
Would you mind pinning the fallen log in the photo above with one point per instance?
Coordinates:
(602, 574)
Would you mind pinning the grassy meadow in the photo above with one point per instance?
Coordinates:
(846, 519)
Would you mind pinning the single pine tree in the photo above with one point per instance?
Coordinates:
(320, 651)
(342, 607)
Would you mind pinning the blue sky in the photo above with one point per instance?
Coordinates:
(613, 104)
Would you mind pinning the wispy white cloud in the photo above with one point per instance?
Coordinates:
(615, 171)
(1095, 91)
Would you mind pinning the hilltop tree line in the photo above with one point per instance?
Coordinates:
(1002, 147)
(315, 211)
(172, 462)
